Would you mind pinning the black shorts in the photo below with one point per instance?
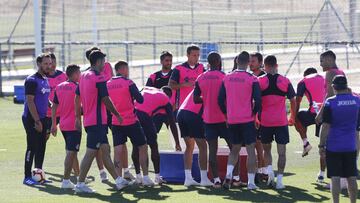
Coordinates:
(190, 124)
(148, 126)
(279, 133)
(158, 120)
(341, 164)
(96, 136)
(72, 140)
(216, 130)
(48, 123)
(134, 132)
(307, 118)
(244, 133)
(109, 118)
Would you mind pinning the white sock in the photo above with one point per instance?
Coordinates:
(118, 179)
(322, 173)
(305, 140)
(203, 174)
(77, 178)
(217, 179)
(251, 178)
(259, 170)
(138, 176)
(279, 178)
(237, 178)
(146, 177)
(102, 171)
(126, 170)
(188, 175)
(270, 169)
(157, 175)
(229, 171)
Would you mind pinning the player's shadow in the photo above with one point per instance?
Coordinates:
(289, 194)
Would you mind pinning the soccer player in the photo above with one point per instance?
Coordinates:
(275, 88)
(206, 91)
(192, 130)
(92, 94)
(160, 79)
(240, 108)
(123, 92)
(339, 138)
(37, 92)
(184, 75)
(310, 86)
(154, 99)
(55, 77)
(64, 96)
(256, 68)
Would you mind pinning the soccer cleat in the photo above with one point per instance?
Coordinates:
(271, 180)
(307, 148)
(190, 182)
(251, 186)
(147, 182)
(30, 181)
(128, 176)
(226, 184)
(320, 179)
(67, 185)
(206, 183)
(159, 180)
(103, 176)
(121, 183)
(280, 186)
(83, 188)
(237, 183)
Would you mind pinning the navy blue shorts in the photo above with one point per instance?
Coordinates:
(243, 133)
(72, 140)
(190, 124)
(216, 130)
(158, 120)
(134, 132)
(96, 136)
(307, 118)
(341, 164)
(279, 133)
(148, 126)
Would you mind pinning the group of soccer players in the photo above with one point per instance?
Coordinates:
(246, 107)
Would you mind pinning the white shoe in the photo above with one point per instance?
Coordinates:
(138, 180)
(307, 148)
(159, 180)
(190, 182)
(271, 179)
(279, 186)
(251, 186)
(147, 182)
(67, 185)
(128, 176)
(121, 183)
(83, 189)
(206, 183)
(103, 176)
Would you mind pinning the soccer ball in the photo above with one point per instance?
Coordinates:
(38, 175)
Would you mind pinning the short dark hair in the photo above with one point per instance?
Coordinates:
(329, 53)
(235, 63)
(167, 90)
(243, 57)
(258, 56)
(88, 52)
(214, 59)
(270, 60)
(40, 58)
(96, 55)
(192, 47)
(340, 82)
(71, 69)
(120, 64)
(310, 71)
(165, 54)
(52, 56)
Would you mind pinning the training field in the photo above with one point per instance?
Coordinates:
(299, 177)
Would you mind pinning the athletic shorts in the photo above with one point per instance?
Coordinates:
(307, 118)
(279, 133)
(48, 123)
(244, 133)
(341, 164)
(190, 124)
(158, 120)
(134, 132)
(148, 127)
(213, 131)
(72, 140)
(96, 136)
